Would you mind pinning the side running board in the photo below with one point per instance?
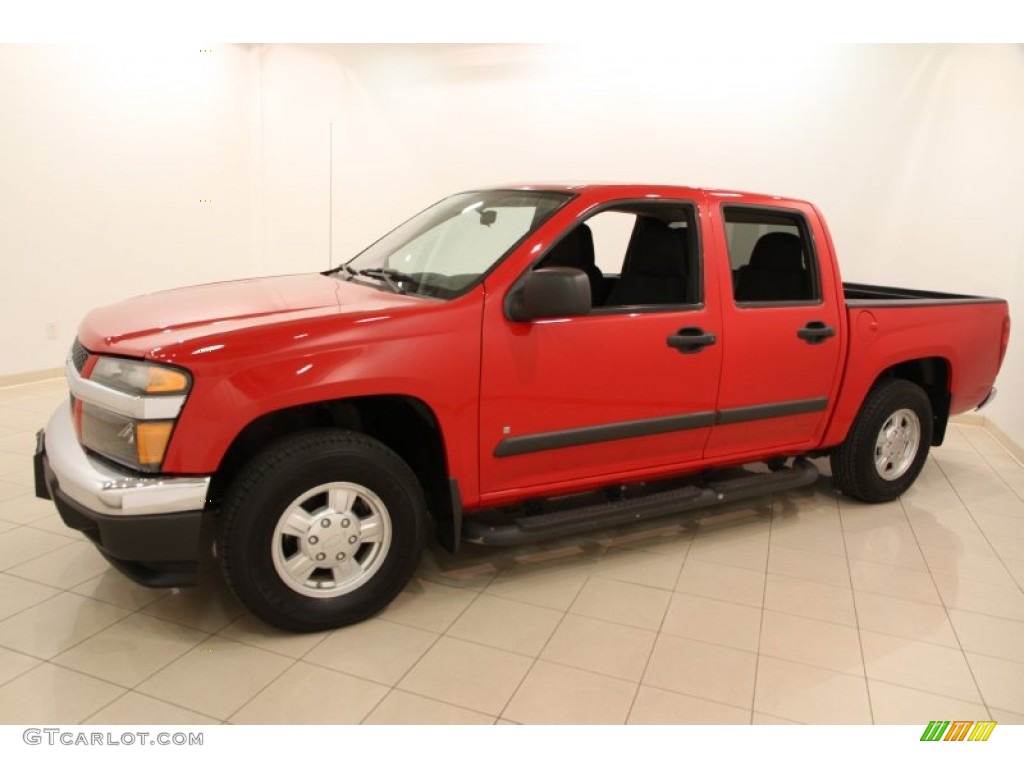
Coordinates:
(594, 517)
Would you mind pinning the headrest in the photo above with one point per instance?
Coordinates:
(574, 250)
(656, 249)
(778, 252)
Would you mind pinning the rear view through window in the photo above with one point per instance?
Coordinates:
(771, 256)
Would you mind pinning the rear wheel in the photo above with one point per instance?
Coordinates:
(322, 529)
(887, 445)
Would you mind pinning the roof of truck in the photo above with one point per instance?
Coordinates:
(627, 189)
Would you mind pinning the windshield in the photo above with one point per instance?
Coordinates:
(448, 247)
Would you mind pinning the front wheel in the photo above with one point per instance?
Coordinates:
(887, 445)
(322, 529)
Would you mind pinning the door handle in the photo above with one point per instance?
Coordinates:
(691, 340)
(815, 332)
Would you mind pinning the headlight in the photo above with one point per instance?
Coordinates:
(139, 378)
(107, 429)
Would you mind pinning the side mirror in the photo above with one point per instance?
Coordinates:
(549, 292)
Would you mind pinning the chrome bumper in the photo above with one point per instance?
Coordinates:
(102, 489)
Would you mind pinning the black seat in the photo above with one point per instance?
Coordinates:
(776, 270)
(656, 266)
(576, 250)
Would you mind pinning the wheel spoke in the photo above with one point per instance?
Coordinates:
(300, 566)
(341, 499)
(331, 521)
(297, 522)
(371, 528)
(345, 571)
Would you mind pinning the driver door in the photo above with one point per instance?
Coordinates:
(567, 400)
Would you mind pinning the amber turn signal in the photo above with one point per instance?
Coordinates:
(165, 380)
(151, 438)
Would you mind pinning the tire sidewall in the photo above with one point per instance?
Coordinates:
(891, 398)
(259, 509)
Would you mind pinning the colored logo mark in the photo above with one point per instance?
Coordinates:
(958, 730)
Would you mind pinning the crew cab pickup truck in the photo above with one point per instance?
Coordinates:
(509, 365)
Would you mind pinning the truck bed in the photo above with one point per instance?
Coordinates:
(863, 295)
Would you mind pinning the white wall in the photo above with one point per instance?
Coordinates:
(105, 154)
(913, 153)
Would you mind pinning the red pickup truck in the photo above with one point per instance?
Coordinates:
(509, 365)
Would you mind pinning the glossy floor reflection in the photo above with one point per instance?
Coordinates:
(803, 608)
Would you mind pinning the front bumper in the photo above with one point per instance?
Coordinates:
(147, 527)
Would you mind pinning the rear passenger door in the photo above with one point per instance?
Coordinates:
(628, 387)
(781, 323)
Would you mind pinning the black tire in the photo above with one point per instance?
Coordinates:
(254, 539)
(855, 463)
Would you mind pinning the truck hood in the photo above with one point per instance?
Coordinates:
(139, 326)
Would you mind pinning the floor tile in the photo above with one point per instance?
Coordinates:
(426, 605)
(118, 589)
(904, 583)
(713, 621)
(460, 571)
(251, 631)
(812, 566)
(660, 538)
(654, 706)
(760, 718)
(24, 507)
(729, 548)
(722, 582)
(17, 594)
(599, 646)
(128, 652)
(960, 563)
(56, 624)
(404, 708)
(989, 635)
(1006, 717)
(553, 587)
(1001, 681)
(64, 568)
(308, 694)
(208, 607)
(918, 665)
(896, 705)
(13, 664)
(639, 567)
(19, 545)
(467, 675)
(706, 671)
(886, 547)
(506, 624)
(9, 490)
(53, 524)
(52, 695)
(818, 539)
(631, 604)
(905, 618)
(810, 694)
(216, 677)
(136, 709)
(377, 650)
(979, 597)
(555, 695)
(812, 642)
(810, 599)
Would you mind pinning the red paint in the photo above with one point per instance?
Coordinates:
(256, 346)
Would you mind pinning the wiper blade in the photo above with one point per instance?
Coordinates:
(392, 277)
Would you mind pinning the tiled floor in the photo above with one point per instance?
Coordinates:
(802, 608)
